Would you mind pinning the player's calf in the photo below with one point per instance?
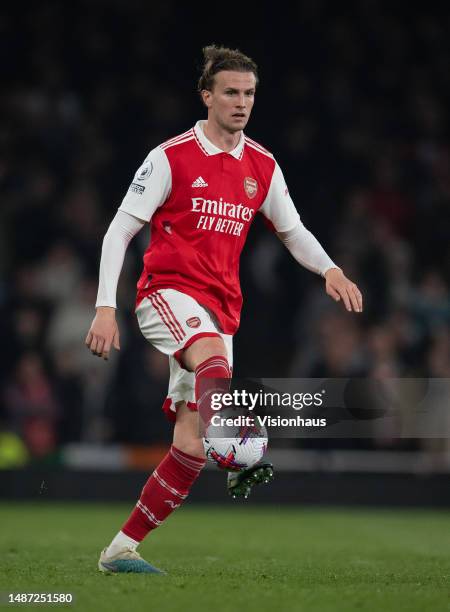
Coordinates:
(186, 434)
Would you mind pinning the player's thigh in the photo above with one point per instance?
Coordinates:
(201, 350)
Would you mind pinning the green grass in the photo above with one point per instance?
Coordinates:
(239, 559)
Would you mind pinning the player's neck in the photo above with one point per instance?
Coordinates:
(219, 137)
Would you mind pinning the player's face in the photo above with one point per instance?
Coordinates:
(231, 100)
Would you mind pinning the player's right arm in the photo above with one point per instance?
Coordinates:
(104, 331)
(150, 188)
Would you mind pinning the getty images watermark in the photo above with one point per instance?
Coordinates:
(332, 408)
(249, 401)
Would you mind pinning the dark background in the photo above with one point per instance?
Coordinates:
(353, 102)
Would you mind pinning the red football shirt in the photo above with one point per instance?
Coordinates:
(200, 202)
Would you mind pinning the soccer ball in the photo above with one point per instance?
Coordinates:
(237, 450)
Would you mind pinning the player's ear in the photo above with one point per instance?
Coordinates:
(206, 97)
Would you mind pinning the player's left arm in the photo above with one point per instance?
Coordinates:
(280, 211)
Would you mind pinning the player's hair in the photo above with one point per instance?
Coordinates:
(221, 58)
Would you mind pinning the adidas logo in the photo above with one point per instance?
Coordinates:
(199, 182)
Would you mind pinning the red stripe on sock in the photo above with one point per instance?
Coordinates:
(211, 376)
(216, 366)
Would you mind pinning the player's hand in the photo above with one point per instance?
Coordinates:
(103, 333)
(339, 287)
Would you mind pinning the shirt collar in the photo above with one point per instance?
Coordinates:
(209, 148)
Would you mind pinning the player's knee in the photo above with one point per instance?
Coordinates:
(203, 349)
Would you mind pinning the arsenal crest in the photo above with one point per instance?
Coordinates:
(193, 322)
(250, 186)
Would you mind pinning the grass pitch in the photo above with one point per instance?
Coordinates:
(234, 559)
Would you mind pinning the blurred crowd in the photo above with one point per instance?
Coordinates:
(354, 105)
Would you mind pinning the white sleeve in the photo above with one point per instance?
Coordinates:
(122, 229)
(306, 249)
(278, 206)
(150, 187)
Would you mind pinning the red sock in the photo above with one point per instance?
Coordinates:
(164, 491)
(212, 376)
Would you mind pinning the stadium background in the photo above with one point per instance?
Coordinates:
(353, 102)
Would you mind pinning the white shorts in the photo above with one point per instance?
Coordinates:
(171, 321)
